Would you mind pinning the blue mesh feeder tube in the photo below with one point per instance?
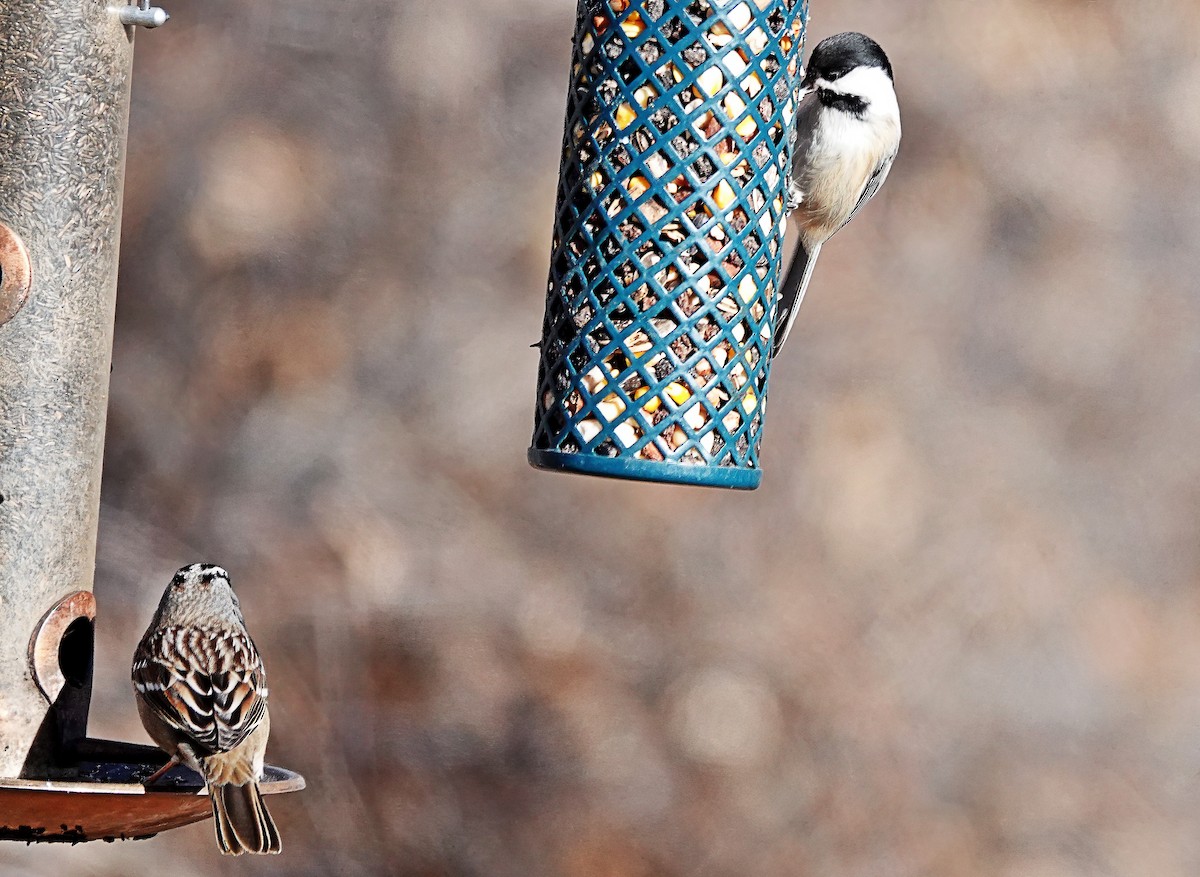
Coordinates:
(668, 240)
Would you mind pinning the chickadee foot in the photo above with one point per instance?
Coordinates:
(794, 196)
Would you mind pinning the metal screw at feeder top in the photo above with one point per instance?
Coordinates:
(143, 15)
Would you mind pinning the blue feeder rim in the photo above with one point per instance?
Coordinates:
(668, 239)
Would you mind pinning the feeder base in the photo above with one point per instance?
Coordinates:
(646, 470)
(107, 800)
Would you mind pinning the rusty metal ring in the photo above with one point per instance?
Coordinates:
(44, 647)
(14, 273)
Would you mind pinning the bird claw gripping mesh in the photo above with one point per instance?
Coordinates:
(668, 237)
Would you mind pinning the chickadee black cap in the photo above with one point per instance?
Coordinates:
(837, 55)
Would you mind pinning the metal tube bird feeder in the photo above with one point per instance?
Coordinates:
(64, 108)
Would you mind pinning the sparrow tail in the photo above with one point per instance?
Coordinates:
(242, 821)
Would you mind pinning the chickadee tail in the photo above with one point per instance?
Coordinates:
(791, 293)
(242, 821)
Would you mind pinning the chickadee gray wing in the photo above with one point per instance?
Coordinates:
(873, 183)
(801, 139)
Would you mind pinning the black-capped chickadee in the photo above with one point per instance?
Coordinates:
(846, 135)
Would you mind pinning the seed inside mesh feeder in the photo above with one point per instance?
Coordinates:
(697, 246)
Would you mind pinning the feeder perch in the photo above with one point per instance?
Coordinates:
(668, 239)
(64, 109)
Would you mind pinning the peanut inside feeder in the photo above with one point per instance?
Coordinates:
(669, 226)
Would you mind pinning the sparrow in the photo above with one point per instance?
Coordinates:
(201, 692)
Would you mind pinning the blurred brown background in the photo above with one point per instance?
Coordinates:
(955, 633)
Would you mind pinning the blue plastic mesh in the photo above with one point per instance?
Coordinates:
(668, 236)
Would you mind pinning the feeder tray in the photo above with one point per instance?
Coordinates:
(86, 789)
(107, 801)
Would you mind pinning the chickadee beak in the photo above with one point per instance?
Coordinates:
(811, 82)
(815, 84)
